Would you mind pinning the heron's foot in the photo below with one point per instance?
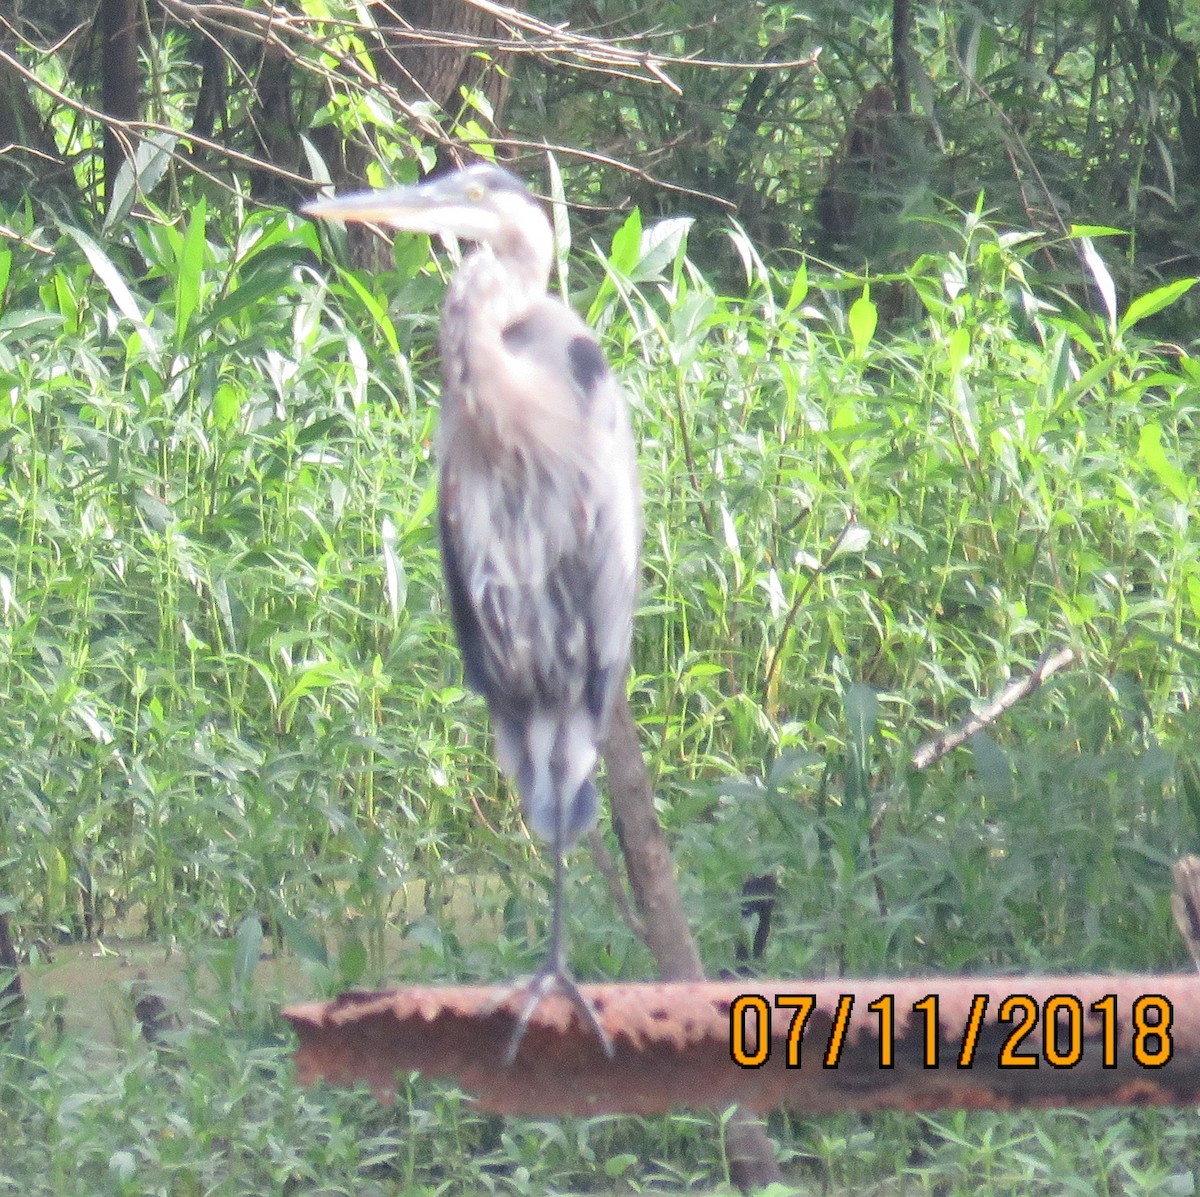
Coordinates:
(546, 980)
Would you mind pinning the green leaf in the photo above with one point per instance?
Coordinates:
(1060, 362)
(302, 941)
(1187, 779)
(115, 284)
(395, 578)
(617, 1165)
(799, 290)
(382, 320)
(863, 320)
(1154, 301)
(157, 514)
(270, 276)
(320, 432)
(423, 510)
(862, 713)
(30, 323)
(189, 271)
(661, 244)
(1193, 593)
(226, 406)
(318, 676)
(966, 45)
(1150, 450)
(957, 348)
(626, 248)
(122, 1165)
(992, 767)
(248, 949)
(352, 960)
(1090, 378)
(139, 175)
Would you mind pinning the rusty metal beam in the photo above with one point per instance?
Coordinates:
(808, 1046)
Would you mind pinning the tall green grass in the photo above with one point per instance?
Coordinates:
(230, 691)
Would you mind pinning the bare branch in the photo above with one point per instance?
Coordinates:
(1185, 903)
(321, 49)
(628, 57)
(1051, 661)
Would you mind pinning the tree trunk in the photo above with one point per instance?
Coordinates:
(118, 20)
(658, 901)
(438, 73)
(12, 999)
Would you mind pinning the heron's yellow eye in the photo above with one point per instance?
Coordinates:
(475, 192)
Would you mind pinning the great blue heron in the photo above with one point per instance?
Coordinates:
(538, 509)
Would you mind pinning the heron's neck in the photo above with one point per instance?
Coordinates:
(490, 294)
(500, 288)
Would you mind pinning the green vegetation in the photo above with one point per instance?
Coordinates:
(238, 765)
(230, 692)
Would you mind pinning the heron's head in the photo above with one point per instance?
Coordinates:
(478, 203)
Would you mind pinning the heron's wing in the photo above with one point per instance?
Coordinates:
(540, 529)
(598, 469)
(462, 611)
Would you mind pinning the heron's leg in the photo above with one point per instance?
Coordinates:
(555, 975)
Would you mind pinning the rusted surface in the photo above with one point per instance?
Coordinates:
(675, 1044)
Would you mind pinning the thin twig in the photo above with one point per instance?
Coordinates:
(624, 57)
(797, 603)
(566, 151)
(8, 234)
(1051, 661)
(602, 858)
(1185, 903)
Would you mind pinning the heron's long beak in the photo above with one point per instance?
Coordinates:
(437, 206)
(377, 206)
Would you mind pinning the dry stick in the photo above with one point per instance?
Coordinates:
(12, 997)
(1050, 662)
(667, 933)
(1185, 903)
(647, 859)
(602, 858)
